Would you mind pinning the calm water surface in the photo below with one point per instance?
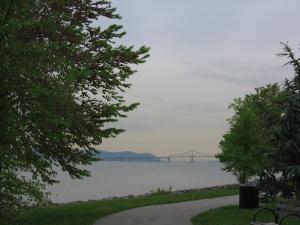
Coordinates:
(124, 178)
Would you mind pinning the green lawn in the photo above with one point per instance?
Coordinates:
(232, 215)
(86, 213)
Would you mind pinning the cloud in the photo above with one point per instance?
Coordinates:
(241, 74)
(204, 53)
(162, 114)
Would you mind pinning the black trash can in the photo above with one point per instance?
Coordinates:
(248, 196)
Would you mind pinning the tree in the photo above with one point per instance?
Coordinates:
(247, 148)
(62, 78)
(288, 131)
(276, 118)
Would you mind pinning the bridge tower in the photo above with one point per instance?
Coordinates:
(192, 159)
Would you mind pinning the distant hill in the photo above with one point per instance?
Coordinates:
(126, 155)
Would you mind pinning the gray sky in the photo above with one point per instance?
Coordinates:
(204, 53)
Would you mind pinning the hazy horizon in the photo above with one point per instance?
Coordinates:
(203, 55)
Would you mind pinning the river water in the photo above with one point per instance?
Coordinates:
(110, 179)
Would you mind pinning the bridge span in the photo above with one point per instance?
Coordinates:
(190, 155)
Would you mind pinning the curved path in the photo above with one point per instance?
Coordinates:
(169, 214)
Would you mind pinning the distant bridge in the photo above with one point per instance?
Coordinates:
(190, 155)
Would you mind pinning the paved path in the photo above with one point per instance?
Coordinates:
(169, 214)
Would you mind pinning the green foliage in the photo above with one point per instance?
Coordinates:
(264, 135)
(247, 147)
(288, 131)
(232, 215)
(62, 80)
(17, 191)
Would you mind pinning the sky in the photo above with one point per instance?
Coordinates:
(204, 53)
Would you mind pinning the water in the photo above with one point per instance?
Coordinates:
(124, 178)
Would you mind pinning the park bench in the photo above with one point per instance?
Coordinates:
(286, 208)
(265, 196)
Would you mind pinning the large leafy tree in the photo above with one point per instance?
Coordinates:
(248, 148)
(62, 77)
(288, 131)
(264, 134)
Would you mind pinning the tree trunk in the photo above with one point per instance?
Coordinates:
(284, 191)
(242, 178)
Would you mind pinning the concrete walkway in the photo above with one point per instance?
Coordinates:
(169, 214)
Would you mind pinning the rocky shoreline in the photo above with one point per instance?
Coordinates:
(158, 191)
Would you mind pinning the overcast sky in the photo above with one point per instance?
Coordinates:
(204, 53)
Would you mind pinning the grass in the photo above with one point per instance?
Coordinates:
(232, 215)
(86, 213)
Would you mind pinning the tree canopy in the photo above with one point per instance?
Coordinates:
(247, 146)
(62, 79)
(288, 131)
(264, 134)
